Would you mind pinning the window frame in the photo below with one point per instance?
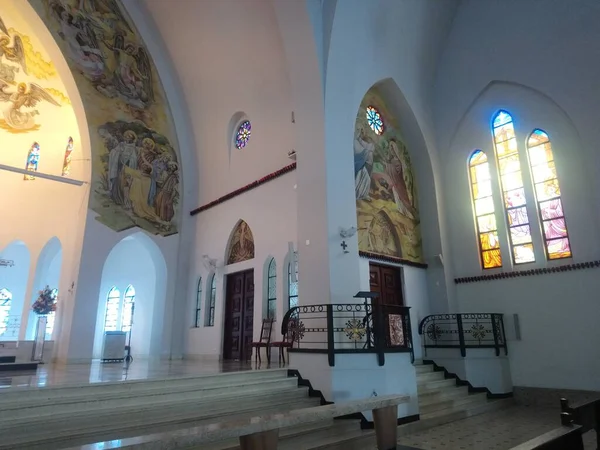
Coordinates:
(290, 284)
(209, 320)
(108, 298)
(198, 307)
(272, 276)
(126, 296)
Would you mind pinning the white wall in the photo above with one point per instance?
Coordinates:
(542, 65)
(15, 279)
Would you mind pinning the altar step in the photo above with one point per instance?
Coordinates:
(18, 366)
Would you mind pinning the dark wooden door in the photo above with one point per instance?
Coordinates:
(239, 316)
(386, 281)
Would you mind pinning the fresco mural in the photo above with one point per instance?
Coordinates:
(241, 246)
(386, 199)
(135, 162)
(21, 69)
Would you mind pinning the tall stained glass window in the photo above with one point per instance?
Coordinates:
(33, 158)
(198, 303)
(67, 160)
(547, 194)
(212, 300)
(272, 290)
(292, 287)
(242, 135)
(511, 180)
(483, 202)
(113, 299)
(51, 317)
(5, 303)
(374, 120)
(128, 309)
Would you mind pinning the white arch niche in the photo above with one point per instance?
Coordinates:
(14, 278)
(137, 261)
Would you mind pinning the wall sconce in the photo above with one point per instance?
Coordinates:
(346, 233)
(209, 263)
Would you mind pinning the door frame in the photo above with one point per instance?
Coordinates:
(400, 272)
(224, 329)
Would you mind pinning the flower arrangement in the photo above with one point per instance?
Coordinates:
(46, 302)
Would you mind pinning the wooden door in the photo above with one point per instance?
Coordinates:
(239, 316)
(386, 281)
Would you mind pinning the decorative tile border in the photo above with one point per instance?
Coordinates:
(528, 273)
(244, 189)
(391, 259)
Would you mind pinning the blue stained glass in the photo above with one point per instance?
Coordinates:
(242, 135)
(33, 158)
(374, 120)
(502, 118)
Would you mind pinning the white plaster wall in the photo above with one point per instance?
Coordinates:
(551, 51)
(15, 279)
(270, 211)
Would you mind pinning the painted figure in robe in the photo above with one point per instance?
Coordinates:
(67, 160)
(123, 155)
(394, 169)
(363, 163)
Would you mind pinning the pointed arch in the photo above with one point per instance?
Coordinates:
(511, 181)
(548, 195)
(241, 244)
(113, 301)
(483, 210)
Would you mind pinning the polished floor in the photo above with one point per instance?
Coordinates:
(97, 372)
(497, 430)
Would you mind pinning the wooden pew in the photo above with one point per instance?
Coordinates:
(262, 432)
(563, 438)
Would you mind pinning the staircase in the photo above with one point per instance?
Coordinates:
(442, 401)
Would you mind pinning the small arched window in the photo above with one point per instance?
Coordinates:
(272, 290)
(210, 311)
(51, 317)
(548, 196)
(511, 181)
(33, 158)
(292, 286)
(198, 307)
(128, 309)
(483, 206)
(111, 318)
(5, 304)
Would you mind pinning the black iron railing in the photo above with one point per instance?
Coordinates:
(349, 328)
(463, 331)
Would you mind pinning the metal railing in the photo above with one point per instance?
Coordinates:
(463, 331)
(349, 328)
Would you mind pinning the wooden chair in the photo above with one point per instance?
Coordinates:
(288, 339)
(265, 340)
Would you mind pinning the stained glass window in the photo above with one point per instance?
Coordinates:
(511, 181)
(33, 157)
(210, 317)
(547, 194)
(67, 160)
(292, 287)
(485, 218)
(5, 303)
(51, 317)
(242, 136)
(198, 303)
(111, 318)
(128, 309)
(272, 290)
(374, 120)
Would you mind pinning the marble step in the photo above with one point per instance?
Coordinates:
(156, 412)
(435, 395)
(453, 403)
(434, 385)
(132, 386)
(427, 377)
(444, 416)
(73, 441)
(423, 368)
(115, 400)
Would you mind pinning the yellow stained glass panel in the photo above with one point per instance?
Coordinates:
(547, 190)
(478, 157)
(512, 181)
(509, 164)
(537, 137)
(504, 133)
(559, 248)
(489, 240)
(506, 148)
(483, 189)
(540, 154)
(491, 259)
(484, 206)
(487, 223)
(543, 172)
(480, 172)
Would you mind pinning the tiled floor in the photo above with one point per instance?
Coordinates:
(96, 372)
(498, 430)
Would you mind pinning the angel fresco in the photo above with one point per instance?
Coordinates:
(14, 53)
(15, 119)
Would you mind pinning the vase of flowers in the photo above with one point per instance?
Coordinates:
(44, 305)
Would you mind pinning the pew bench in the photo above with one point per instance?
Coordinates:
(563, 438)
(262, 432)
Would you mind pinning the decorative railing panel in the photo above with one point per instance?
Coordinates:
(349, 328)
(463, 331)
(10, 331)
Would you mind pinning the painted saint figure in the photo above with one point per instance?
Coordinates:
(394, 169)
(363, 163)
(33, 158)
(123, 155)
(67, 160)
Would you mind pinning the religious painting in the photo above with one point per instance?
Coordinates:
(135, 160)
(385, 187)
(241, 245)
(21, 92)
(33, 158)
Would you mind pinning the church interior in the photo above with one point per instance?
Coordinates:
(245, 237)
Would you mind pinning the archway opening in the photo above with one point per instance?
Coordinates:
(14, 273)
